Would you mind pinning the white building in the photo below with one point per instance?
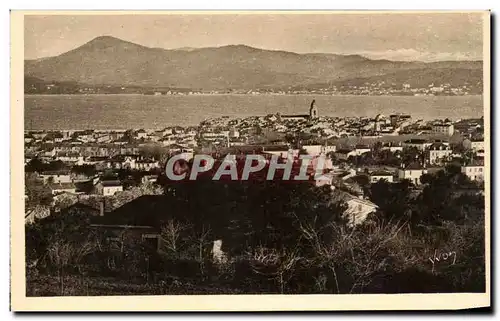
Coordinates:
(474, 144)
(149, 179)
(141, 133)
(70, 158)
(56, 177)
(412, 172)
(446, 129)
(313, 150)
(325, 149)
(280, 150)
(167, 131)
(146, 164)
(108, 188)
(58, 188)
(167, 140)
(233, 133)
(358, 208)
(381, 175)
(325, 179)
(420, 144)
(438, 152)
(186, 155)
(474, 172)
(392, 148)
(362, 149)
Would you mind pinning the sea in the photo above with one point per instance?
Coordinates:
(76, 112)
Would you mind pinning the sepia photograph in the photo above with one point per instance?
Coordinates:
(250, 156)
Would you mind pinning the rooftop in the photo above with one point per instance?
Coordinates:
(344, 151)
(111, 183)
(439, 146)
(416, 141)
(144, 211)
(380, 173)
(62, 186)
(275, 148)
(414, 166)
(60, 172)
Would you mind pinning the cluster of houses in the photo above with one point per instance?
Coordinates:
(142, 214)
(436, 154)
(65, 181)
(236, 132)
(224, 131)
(70, 145)
(115, 150)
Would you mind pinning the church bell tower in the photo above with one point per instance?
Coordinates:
(313, 110)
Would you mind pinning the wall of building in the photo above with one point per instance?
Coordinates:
(474, 173)
(436, 155)
(413, 175)
(376, 178)
(111, 190)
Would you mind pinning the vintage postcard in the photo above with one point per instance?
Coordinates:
(250, 161)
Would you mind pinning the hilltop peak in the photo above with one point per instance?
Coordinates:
(240, 47)
(106, 39)
(103, 42)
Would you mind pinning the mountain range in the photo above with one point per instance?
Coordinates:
(110, 61)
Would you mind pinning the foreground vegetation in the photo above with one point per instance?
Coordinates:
(277, 237)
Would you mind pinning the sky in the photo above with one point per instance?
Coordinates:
(410, 36)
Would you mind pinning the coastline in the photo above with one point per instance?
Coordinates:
(244, 94)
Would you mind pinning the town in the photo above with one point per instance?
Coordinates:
(396, 147)
(357, 87)
(111, 186)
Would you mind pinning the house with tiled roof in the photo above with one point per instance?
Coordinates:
(412, 172)
(376, 176)
(358, 208)
(60, 176)
(476, 144)
(420, 144)
(108, 187)
(474, 169)
(58, 188)
(438, 153)
(345, 153)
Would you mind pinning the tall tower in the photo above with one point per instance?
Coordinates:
(313, 110)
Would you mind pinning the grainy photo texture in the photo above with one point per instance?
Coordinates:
(255, 153)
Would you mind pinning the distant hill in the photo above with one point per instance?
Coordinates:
(422, 77)
(111, 61)
(34, 85)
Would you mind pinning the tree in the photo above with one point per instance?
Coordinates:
(201, 239)
(171, 236)
(64, 200)
(63, 253)
(87, 170)
(275, 264)
(393, 199)
(35, 165)
(441, 199)
(411, 155)
(154, 151)
(37, 193)
(388, 158)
